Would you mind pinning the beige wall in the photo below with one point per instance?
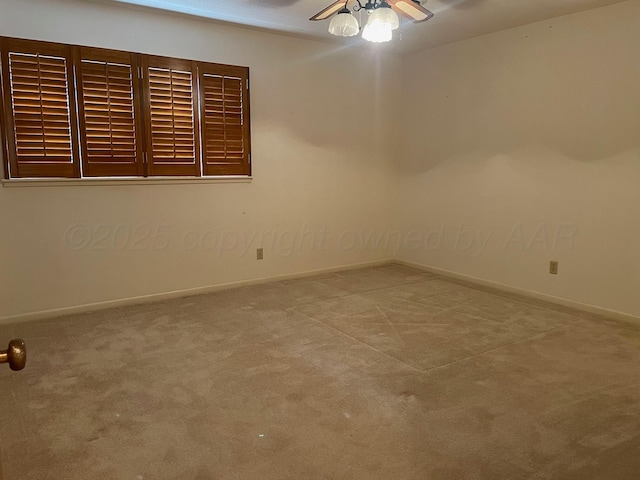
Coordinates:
(318, 167)
(525, 147)
(520, 147)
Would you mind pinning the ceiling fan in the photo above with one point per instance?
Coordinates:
(382, 19)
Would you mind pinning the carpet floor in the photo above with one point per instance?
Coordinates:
(378, 373)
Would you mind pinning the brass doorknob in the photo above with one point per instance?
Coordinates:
(15, 355)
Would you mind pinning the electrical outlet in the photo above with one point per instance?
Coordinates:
(553, 267)
(260, 253)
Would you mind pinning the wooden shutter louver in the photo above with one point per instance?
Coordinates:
(41, 123)
(173, 143)
(225, 114)
(108, 91)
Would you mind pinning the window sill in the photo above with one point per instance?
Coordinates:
(83, 182)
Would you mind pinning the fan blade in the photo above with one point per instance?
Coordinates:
(330, 10)
(412, 10)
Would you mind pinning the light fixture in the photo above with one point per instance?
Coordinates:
(383, 14)
(377, 32)
(382, 17)
(380, 24)
(382, 21)
(344, 24)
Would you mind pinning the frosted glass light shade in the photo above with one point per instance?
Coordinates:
(344, 25)
(385, 15)
(377, 32)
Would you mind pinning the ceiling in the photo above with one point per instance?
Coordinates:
(455, 19)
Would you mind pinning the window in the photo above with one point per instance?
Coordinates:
(224, 123)
(109, 131)
(172, 118)
(80, 112)
(41, 140)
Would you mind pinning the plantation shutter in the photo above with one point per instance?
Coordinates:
(78, 112)
(172, 118)
(225, 119)
(108, 100)
(39, 109)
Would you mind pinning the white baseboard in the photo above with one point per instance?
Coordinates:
(156, 297)
(564, 302)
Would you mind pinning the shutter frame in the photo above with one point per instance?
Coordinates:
(215, 166)
(111, 168)
(14, 167)
(4, 126)
(154, 166)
